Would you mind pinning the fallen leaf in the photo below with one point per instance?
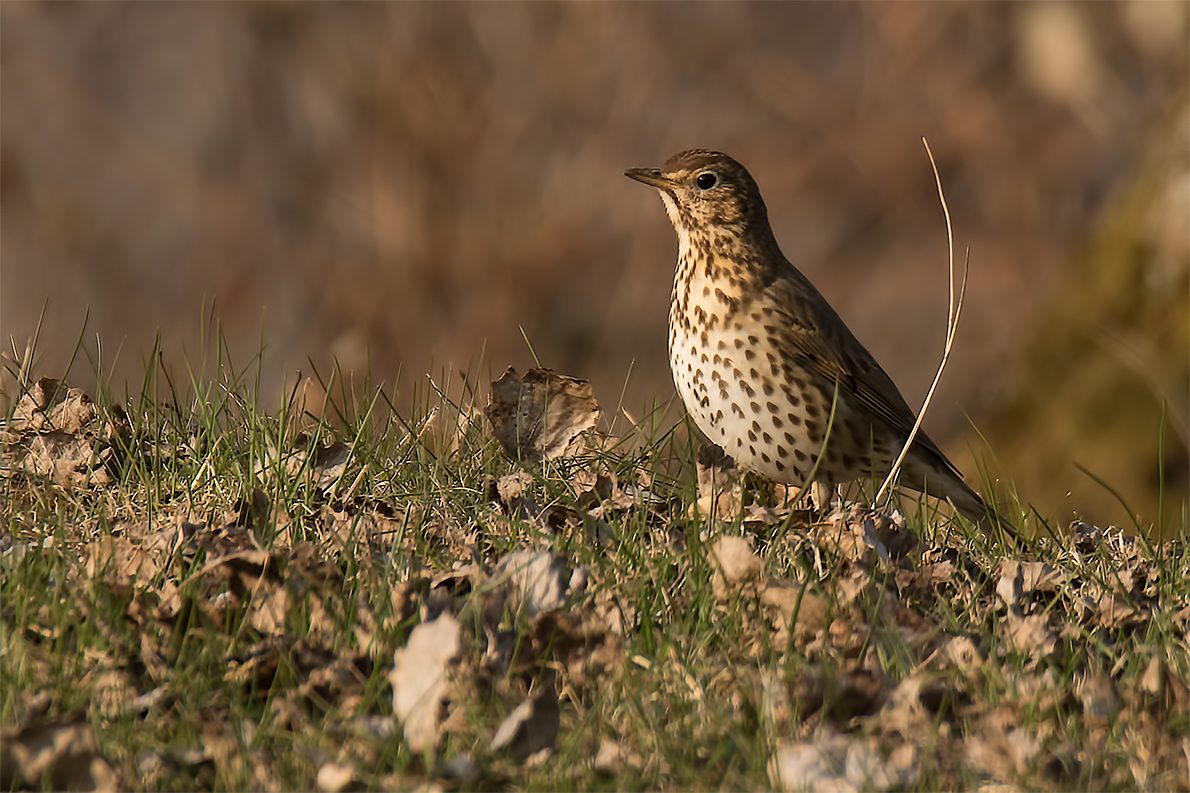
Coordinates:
(333, 777)
(734, 563)
(834, 762)
(802, 612)
(539, 416)
(58, 754)
(538, 581)
(612, 757)
(532, 726)
(419, 679)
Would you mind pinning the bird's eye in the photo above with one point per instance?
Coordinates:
(705, 181)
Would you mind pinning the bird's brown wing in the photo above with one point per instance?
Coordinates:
(823, 345)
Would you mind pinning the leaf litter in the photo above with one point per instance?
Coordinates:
(866, 652)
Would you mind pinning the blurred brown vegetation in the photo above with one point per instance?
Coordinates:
(406, 187)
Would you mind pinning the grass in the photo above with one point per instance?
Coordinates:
(224, 613)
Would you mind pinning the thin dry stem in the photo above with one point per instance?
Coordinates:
(954, 308)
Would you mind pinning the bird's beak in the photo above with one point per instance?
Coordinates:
(651, 177)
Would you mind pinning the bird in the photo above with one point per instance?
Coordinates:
(760, 358)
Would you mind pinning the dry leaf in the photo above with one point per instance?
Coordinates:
(539, 415)
(333, 777)
(793, 600)
(1098, 695)
(734, 563)
(612, 757)
(532, 726)
(1000, 746)
(419, 679)
(1031, 635)
(538, 581)
(834, 762)
(55, 754)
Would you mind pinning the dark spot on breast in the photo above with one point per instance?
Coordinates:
(749, 354)
(755, 407)
(782, 451)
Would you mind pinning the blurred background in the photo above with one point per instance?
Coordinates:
(412, 187)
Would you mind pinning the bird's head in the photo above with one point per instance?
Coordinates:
(707, 192)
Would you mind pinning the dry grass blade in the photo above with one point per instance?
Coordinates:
(954, 308)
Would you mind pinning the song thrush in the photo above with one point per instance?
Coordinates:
(757, 353)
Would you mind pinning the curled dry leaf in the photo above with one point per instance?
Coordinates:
(612, 757)
(70, 460)
(538, 581)
(54, 433)
(860, 532)
(532, 726)
(1000, 746)
(333, 777)
(539, 415)
(799, 610)
(1031, 635)
(56, 754)
(52, 405)
(1098, 695)
(419, 679)
(835, 762)
(735, 565)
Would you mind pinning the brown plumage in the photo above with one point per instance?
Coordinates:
(757, 352)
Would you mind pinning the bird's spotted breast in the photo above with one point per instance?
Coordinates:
(745, 396)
